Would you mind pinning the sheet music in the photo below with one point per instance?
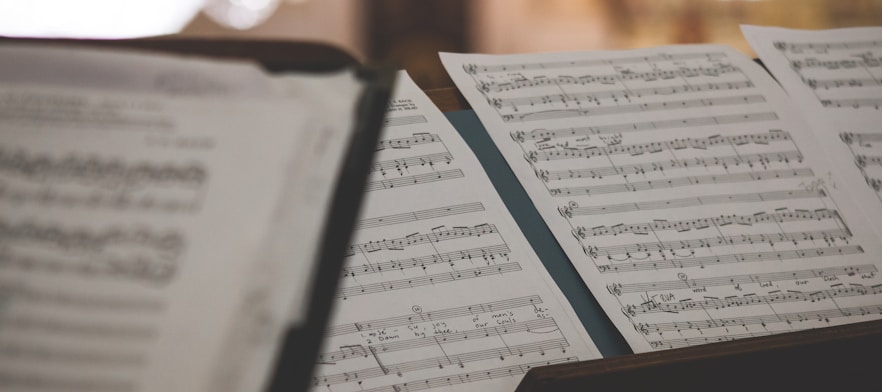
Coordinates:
(694, 204)
(133, 239)
(835, 79)
(440, 288)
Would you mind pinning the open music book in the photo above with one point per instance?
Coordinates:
(162, 216)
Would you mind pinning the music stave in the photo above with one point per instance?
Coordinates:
(101, 173)
(548, 134)
(403, 164)
(95, 199)
(634, 108)
(474, 69)
(464, 378)
(747, 257)
(712, 303)
(52, 236)
(456, 360)
(861, 139)
(799, 47)
(828, 236)
(572, 209)
(559, 153)
(445, 277)
(437, 235)
(362, 351)
(863, 61)
(620, 77)
(404, 120)
(615, 95)
(114, 332)
(414, 180)
(32, 351)
(440, 314)
(431, 213)
(854, 103)
(684, 283)
(686, 342)
(777, 217)
(763, 320)
(408, 142)
(760, 175)
(749, 160)
(19, 292)
(863, 161)
(487, 253)
(827, 84)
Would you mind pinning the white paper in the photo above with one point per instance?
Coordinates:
(132, 233)
(693, 202)
(834, 77)
(440, 288)
(331, 100)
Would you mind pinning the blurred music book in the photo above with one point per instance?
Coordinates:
(173, 222)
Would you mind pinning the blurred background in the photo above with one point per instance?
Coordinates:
(410, 33)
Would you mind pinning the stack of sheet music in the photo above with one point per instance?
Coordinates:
(697, 200)
(160, 216)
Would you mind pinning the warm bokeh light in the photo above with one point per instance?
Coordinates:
(95, 18)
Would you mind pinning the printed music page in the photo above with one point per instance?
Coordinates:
(692, 200)
(132, 239)
(440, 289)
(834, 77)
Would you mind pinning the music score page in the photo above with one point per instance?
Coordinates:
(440, 288)
(834, 77)
(695, 204)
